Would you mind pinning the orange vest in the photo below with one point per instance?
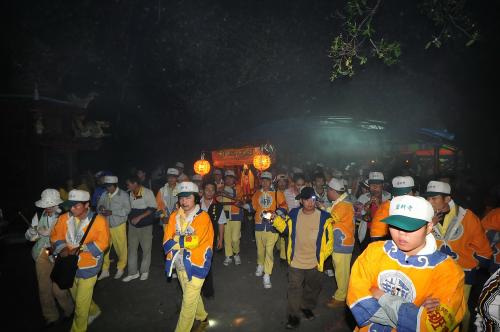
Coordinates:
(491, 224)
(465, 241)
(96, 242)
(235, 213)
(343, 227)
(266, 201)
(380, 229)
(196, 260)
(384, 266)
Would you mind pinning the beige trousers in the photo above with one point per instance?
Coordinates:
(49, 292)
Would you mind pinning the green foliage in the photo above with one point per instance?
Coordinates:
(358, 41)
(451, 21)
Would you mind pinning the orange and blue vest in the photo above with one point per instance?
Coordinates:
(465, 241)
(491, 225)
(96, 242)
(343, 227)
(411, 278)
(196, 260)
(267, 201)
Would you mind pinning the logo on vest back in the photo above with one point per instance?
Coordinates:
(265, 201)
(397, 283)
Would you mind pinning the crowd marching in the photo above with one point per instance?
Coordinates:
(402, 258)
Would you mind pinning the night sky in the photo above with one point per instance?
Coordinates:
(186, 76)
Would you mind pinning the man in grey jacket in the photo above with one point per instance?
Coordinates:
(115, 206)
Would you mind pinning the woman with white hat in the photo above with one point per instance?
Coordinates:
(39, 232)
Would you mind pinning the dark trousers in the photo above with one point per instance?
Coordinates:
(304, 287)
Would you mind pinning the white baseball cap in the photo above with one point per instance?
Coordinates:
(297, 170)
(435, 188)
(402, 185)
(185, 189)
(409, 213)
(173, 172)
(229, 172)
(76, 196)
(266, 175)
(179, 164)
(375, 177)
(336, 184)
(196, 177)
(110, 179)
(49, 198)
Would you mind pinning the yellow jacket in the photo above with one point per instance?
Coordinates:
(324, 239)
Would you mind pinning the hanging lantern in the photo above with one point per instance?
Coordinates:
(261, 161)
(202, 166)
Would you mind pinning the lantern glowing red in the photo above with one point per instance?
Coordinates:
(261, 161)
(202, 167)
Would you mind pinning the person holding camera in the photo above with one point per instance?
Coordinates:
(114, 205)
(39, 232)
(265, 203)
(66, 236)
(310, 242)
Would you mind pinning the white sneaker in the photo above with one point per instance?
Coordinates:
(237, 260)
(260, 271)
(267, 281)
(144, 276)
(119, 274)
(131, 277)
(92, 318)
(104, 274)
(329, 273)
(227, 261)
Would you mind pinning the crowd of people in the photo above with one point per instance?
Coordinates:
(402, 258)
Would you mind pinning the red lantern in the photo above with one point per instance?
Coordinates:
(202, 166)
(261, 161)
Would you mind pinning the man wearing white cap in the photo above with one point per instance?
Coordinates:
(114, 205)
(188, 245)
(265, 202)
(166, 198)
(39, 232)
(406, 284)
(342, 213)
(401, 185)
(65, 238)
(459, 234)
(230, 198)
(371, 202)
